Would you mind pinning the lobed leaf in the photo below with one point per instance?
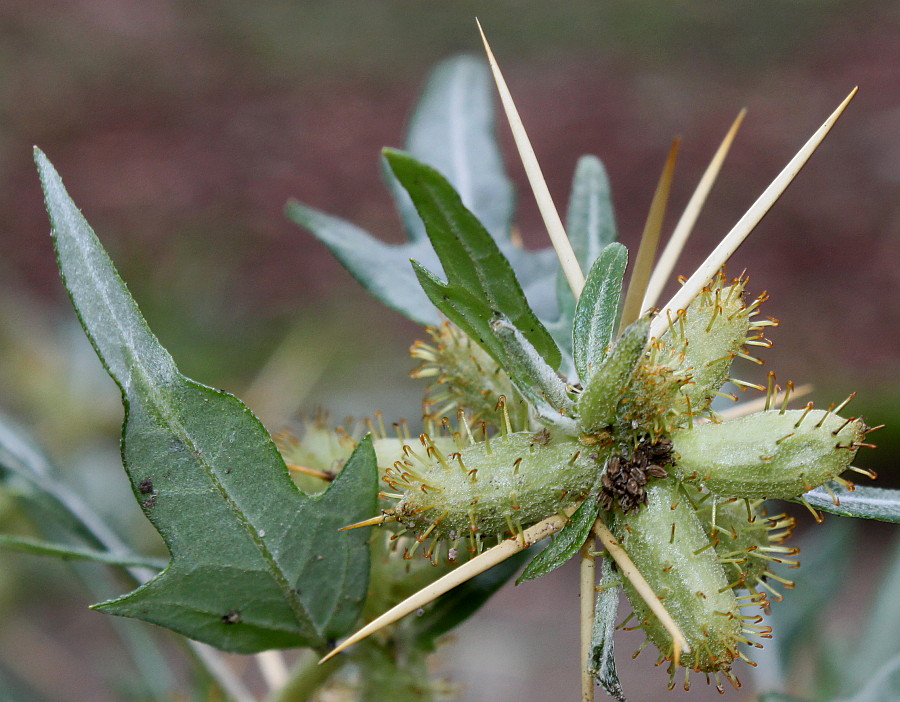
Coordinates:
(863, 502)
(382, 269)
(597, 311)
(256, 563)
(480, 279)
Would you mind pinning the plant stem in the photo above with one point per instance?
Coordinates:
(306, 677)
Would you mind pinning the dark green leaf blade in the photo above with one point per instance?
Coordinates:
(255, 563)
(452, 130)
(566, 543)
(453, 608)
(597, 311)
(863, 502)
(602, 662)
(471, 259)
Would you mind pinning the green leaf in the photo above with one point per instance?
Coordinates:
(452, 130)
(590, 219)
(478, 274)
(591, 227)
(864, 502)
(602, 392)
(46, 548)
(602, 661)
(567, 542)
(779, 697)
(452, 609)
(597, 311)
(25, 467)
(533, 378)
(256, 563)
(382, 269)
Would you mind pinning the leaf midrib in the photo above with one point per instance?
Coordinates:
(165, 410)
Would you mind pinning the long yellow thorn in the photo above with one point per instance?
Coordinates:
(587, 595)
(373, 521)
(466, 571)
(685, 225)
(315, 472)
(630, 571)
(643, 262)
(568, 261)
(745, 225)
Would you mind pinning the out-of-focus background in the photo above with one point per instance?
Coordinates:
(181, 128)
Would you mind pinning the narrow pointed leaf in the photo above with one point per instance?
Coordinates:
(597, 311)
(39, 547)
(471, 259)
(591, 226)
(602, 661)
(25, 467)
(452, 130)
(256, 563)
(602, 392)
(382, 269)
(566, 542)
(533, 377)
(863, 502)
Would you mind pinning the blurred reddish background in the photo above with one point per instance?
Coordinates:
(181, 128)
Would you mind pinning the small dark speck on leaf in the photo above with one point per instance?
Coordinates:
(420, 612)
(145, 486)
(228, 470)
(232, 616)
(149, 503)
